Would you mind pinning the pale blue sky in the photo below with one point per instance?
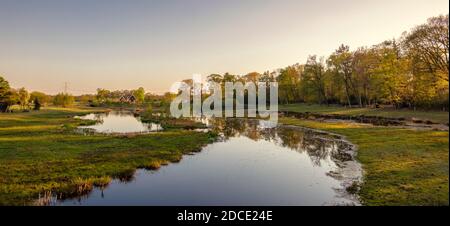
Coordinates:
(126, 44)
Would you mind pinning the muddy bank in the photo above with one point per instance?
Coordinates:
(366, 119)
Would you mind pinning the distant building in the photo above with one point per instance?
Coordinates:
(128, 98)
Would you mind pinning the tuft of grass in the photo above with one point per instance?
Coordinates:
(102, 181)
(402, 166)
(80, 186)
(154, 165)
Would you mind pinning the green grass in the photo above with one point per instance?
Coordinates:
(434, 116)
(40, 152)
(402, 166)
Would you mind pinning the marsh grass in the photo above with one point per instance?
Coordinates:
(155, 164)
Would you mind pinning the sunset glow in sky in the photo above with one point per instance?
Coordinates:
(116, 44)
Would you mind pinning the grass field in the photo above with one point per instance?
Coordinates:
(434, 116)
(40, 152)
(402, 166)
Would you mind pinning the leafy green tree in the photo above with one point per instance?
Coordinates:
(63, 100)
(289, 84)
(8, 96)
(43, 98)
(103, 95)
(428, 45)
(24, 97)
(390, 74)
(4, 90)
(340, 62)
(427, 48)
(361, 74)
(139, 94)
(4, 87)
(313, 80)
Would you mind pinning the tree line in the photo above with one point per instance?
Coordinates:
(410, 71)
(35, 100)
(29, 100)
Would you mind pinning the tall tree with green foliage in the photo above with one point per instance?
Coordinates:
(364, 61)
(6, 99)
(24, 97)
(4, 86)
(103, 95)
(313, 80)
(63, 100)
(43, 98)
(427, 47)
(340, 63)
(289, 84)
(139, 94)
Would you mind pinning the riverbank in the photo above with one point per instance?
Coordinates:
(405, 114)
(40, 152)
(402, 166)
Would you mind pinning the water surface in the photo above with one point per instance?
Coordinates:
(119, 122)
(250, 165)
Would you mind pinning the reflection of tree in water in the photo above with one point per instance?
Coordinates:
(230, 127)
(99, 117)
(306, 141)
(293, 138)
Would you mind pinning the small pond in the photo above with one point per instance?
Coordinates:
(250, 165)
(118, 122)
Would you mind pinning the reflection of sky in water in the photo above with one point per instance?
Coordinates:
(267, 124)
(119, 122)
(249, 167)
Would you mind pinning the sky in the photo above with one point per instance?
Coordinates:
(115, 44)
